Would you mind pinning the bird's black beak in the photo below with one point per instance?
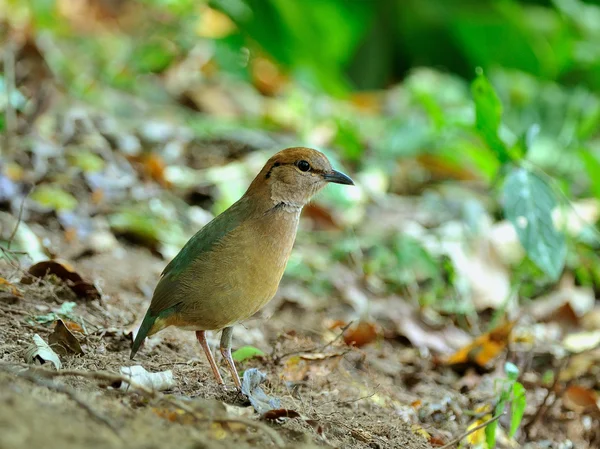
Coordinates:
(338, 178)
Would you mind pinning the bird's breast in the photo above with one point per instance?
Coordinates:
(242, 273)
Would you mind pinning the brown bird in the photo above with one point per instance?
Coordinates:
(232, 267)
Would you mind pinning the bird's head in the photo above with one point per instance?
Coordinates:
(294, 175)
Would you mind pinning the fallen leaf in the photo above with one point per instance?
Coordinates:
(73, 326)
(295, 369)
(63, 341)
(408, 323)
(154, 381)
(177, 415)
(477, 438)
(321, 355)
(280, 415)
(361, 334)
(152, 166)
(581, 400)
(261, 402)
(591, 320)
(418, 430)
(320, 216)
(65, 310)
(53, 197)
(246, 353)
(568, 304)
(24, 239)
(580, 365)
(39, 353)
(5, 285)
(66, 273)
(484, 349)
(582, 341)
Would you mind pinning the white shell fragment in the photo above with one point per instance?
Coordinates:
(153, 381)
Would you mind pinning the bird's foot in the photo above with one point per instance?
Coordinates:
(233, 395)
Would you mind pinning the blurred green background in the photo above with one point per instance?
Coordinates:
(411, 96)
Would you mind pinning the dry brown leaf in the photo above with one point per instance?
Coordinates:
(267, 76)
(300, 367)
(591, 320)
(280, 414)
(65, 272)
(409, 324)
(566, 305)
(582, 341)
(484, 348)
(581, 365)
(581, 400)
(361, 334)
(177, 415)
(7, 286)
(62, 341)
(152, 167)
(320, 216)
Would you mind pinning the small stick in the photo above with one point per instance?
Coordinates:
(321, 348)
(133, 386)
(544, 406)
(470, 431)
(19, 218)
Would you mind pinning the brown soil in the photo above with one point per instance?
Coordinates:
(350, 400)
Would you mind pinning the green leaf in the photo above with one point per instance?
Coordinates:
(517, 408)
(54, 197)
(490, 429)
(246, 353)
(592, 166)
(528, 204)
(488, 115)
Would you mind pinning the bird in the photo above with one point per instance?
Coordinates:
(232, 266)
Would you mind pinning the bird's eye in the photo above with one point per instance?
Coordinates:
(303, 165)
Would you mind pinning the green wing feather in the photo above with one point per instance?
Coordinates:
(164, 301)
(206, 237)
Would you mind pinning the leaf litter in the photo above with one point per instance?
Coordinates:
(114, 197)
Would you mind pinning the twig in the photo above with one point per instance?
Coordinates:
(470, 431)
(113, 378)
(321, 348)
(72, 394)
(544, 406)
(19, 218)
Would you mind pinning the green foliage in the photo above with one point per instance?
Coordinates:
(291, 32)
(54, 197)
(511, 392)
(528, 204)
(488, 115)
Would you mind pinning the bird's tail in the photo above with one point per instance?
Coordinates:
(147, 324)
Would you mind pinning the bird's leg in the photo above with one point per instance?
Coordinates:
(201, 336)
(226, 353)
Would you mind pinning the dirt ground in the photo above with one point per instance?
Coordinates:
(344, 399)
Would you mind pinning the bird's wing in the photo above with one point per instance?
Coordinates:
(166, 298)
(206, 238)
